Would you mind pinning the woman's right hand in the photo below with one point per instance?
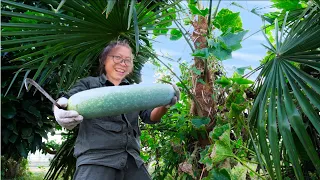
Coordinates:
(66, 119)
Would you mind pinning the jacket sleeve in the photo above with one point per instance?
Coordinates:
(79, 86)
(145, 117)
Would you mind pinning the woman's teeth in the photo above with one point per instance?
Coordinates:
(120, 70)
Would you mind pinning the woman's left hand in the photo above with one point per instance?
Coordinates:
(176, 96)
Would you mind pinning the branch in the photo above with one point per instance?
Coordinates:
(48, 150)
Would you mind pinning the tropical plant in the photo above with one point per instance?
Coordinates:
(58, 46)
(194, 137)
(285, 109)
(208, 134)
(283, 91)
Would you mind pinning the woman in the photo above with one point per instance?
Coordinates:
(109, 147)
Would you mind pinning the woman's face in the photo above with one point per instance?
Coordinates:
(118, 64)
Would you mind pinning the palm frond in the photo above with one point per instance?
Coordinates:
(73, 39)
(287, 93)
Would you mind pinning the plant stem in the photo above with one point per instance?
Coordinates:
(244, 148)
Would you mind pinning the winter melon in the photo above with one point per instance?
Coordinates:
(115, 100)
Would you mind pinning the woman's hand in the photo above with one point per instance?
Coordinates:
(66, 119)
(176, 96)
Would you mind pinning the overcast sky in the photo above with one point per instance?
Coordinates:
(249, 55)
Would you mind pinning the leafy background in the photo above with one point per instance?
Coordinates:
(235, 128)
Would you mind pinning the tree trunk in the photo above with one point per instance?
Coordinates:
(203, 92)
(10, 167)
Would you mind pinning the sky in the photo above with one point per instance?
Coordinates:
(249, 55)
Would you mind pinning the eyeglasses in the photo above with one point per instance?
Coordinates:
(118, 60)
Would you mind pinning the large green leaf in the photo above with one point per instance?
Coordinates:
(222, 148)
(200, 122)
(22, 149)
(223, 81)
(195, 11)
(219, 51)
(202, 53)
(8, 111)
(175, 34)
(228, 21)
(241, 70)
(205, 158)
(221, 174)
(288, 5)
(232, 40)
(223, 45)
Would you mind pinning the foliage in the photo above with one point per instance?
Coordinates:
(280, 137)
(64, 163)
(11, 168)
(68, 39)
(58, 46)
(289, 96)
(227, 20)
(232, 152)
(25, 120)
(172, 146)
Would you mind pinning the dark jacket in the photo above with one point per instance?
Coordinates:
(107, 141)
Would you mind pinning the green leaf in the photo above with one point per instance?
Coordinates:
(13, 79)
(221, 174)
(195, 11)
(201, 81)
(175, 34)
(26, 132)
(239, 172)
(205, 158)
(13, 138)
(232, 40)
(200, 122)
(136, 29)
(239, 143)
(196, 71)
(242, 81)
(223, 81)
(158, 32)
(5, 135)
(132, 2)
(22, 149)
(8, 111)
(109, 8)
(222, 148)
(33, 110)
(288, 5)
(241, 70)
(30, 138)
(202, 53)
(297, 124)
(144, 156)
(218, 131)
(42, 133)
(236, 109)
(219, 52)
(226, 20)
(187, 21)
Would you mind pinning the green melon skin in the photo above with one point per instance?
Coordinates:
(116, 100)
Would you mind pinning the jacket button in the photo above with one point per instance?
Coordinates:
(129, 133)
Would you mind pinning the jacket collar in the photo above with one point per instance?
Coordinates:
(104, 80)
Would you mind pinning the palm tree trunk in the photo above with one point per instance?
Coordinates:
(203, 92)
